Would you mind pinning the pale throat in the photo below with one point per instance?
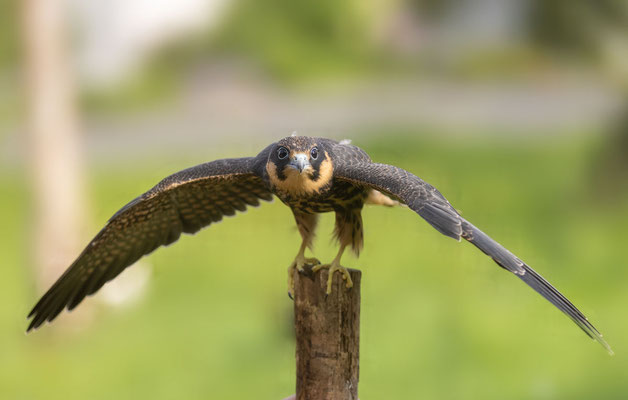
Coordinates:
(296, 183)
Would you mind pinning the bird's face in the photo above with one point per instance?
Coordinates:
(299, 165)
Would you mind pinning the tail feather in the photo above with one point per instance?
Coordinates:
(510, 262)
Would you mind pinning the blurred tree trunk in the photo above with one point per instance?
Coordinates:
(54, 146)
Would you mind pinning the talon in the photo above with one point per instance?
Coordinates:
(291, 281)
(310, 261)
(319, 267)
(333, 267)
(298, 264)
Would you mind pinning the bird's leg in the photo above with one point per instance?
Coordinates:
(299, 261)
(333, 267)
(306, 223)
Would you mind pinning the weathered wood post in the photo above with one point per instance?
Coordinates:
(327, 336)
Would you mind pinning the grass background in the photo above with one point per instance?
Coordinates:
(439, 319)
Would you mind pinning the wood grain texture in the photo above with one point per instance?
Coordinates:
(327, 336)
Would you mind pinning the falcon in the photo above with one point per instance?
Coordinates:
(309, 175)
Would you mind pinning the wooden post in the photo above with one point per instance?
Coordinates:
(327, 336)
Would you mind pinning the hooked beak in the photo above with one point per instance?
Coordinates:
(300, 162)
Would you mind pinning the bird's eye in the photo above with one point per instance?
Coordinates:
(282, 153)
(314, 153)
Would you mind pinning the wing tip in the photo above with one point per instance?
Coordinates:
(520, 269)
(607, 347)
(593, 333)
(35, 323)
(598, 337)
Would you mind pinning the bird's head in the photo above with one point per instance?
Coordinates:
(299, 165)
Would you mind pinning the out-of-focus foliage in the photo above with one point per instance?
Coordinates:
(9, 63)
(576, 26)
(610, 163)
(289, 41)
(8, 34)
(584, 29)
(157, 84)
(432, 8)
(299, 39)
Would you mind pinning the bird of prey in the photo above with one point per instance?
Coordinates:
(309, 175)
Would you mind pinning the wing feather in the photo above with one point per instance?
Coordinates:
(430, 204)
(184, 202)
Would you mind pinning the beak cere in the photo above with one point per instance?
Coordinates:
(300, 162)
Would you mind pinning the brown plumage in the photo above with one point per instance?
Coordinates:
(311, 176)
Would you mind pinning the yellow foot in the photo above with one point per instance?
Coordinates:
(333, 267)
(298, 264)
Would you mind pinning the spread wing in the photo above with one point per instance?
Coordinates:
(183, 202)
(430, 204)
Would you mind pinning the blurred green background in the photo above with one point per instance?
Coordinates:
(514, 112)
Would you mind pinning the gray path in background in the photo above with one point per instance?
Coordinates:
(221, 109)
